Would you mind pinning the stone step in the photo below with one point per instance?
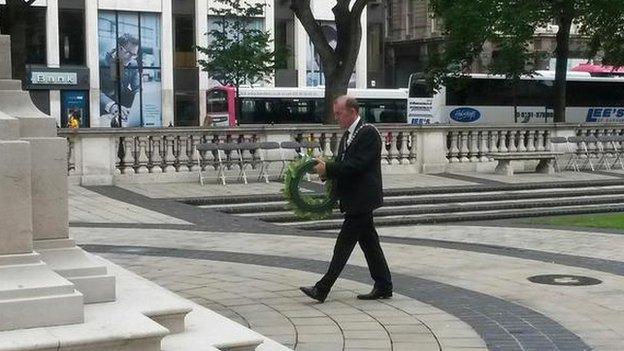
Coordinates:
(287, 216)
(406, 200)
(105, 328)
(269, 198)
(467, 216)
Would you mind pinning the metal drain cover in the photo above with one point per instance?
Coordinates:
(564, 279)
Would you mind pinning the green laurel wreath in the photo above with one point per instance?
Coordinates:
(312, 206)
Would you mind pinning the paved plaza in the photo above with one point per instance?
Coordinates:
(457, 287)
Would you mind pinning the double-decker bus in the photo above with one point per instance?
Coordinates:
(490, 99)
(260, 105)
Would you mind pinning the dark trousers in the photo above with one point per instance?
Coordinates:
(358, 229)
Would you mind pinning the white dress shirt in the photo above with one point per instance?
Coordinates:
(351, 130)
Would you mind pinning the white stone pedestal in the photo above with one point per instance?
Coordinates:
(51, 222)
(31, 293)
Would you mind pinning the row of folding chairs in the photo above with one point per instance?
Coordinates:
(606, 152)
(227, 155)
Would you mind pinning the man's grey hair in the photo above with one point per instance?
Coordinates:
(349, 102)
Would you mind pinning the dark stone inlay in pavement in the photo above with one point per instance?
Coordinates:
(564, 279)
(189, 227)
(591, 263)
(502, 325)
(208, 219)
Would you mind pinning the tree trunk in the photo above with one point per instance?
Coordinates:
(334, 88)
(338, 64)
(562, 51)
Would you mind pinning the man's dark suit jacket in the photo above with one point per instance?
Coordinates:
(357, 174)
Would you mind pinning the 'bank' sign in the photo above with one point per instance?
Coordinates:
(53, 78)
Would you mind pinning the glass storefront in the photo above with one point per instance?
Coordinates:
(27, 28)
(72, 48)
(130, 76)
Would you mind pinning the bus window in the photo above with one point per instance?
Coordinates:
(418, 87)
(383, 111)
(216, 101)
(590, 94)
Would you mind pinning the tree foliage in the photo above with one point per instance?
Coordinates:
(237, 53)
(338, 63)
(511, 25)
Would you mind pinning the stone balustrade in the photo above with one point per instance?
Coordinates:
(106, 156)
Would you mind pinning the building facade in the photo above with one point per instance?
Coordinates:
(119, 63)
(413, 33)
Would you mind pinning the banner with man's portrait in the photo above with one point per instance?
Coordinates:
(130, 79)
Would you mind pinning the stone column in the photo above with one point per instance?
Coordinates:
(47, 155)
(301, 45)
(201, 39)
(431, 148)
(28, 285)
(53, 54)
(91, 34)
(167, 63)
(361, 79)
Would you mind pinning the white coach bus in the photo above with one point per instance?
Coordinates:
(268, 105)
(489, 99)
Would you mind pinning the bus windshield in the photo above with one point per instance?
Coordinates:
(216, 101)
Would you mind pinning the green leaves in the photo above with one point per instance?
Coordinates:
(307, 207)
(238, 52)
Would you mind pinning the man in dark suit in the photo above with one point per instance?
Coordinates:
(356, 172)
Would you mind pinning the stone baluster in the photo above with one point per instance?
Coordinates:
(483, 149)
(591, 146)
(384, 150)
(599, 144)
(473, 138)
(512, 141)
(493, 142)
(327, 141)
(118, 159)
(530, 141)
(182, 156)
(71, 156)
(502, 141)
(128, 159)
(193, 142)
(142, 155)
(539, 146)
(155, 156)
(404, 150)
(413, 151)
(453, 151)
(609, 145)
(522, 141)
(170, 159)
(547, 144)
(463, 146)
(393, 151)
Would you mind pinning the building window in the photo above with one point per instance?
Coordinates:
(130, 77)
(27, 29)
(184, 41)
(72, 36)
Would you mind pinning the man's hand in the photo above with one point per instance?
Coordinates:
(320, 168)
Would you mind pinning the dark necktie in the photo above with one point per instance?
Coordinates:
(344, 145)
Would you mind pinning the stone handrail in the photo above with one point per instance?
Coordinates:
(130, 152)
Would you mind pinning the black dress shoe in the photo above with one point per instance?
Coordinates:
(314, 292)
(376, 294)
